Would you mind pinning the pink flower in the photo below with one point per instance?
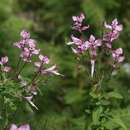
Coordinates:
(80, 45)
(26, 54)
(4, 60)
(78, 19)
(114, 26)
(76, 40)
(118, 55)
(109, 38)
(20, 44)
(6, 69)
(27, 46)
(22, 127)
(78, 23)
(115, 29)
(31, 43)
(44, 59)
(51, 70)
(93, 44)
(35, 51)
(25, 34)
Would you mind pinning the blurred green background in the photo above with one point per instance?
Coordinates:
(49, 22)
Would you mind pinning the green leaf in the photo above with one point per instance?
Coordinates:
(96, 115)
(119, 121)
(114, 95)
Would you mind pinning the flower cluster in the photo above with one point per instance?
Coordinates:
(3, 62)
(28, 87)
(27, 46)
(115, 29)
(81, 45)
(22, 127)
(41, 68)
(108, 38)
(28, 49)
(117, 56)
(78, 23)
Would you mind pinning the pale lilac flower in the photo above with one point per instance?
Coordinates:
(109, 37)
(25, 34)
(26, 54)
(115, 29)
(20, 44)
(6, 69)
(76, 40)
(78, 19)
(80, 45)
(78, 23)
(93, 44)
(117, 55)
(115, 26)
(4, 60)
(51, 70)
(43, 70)
(44, 59)
(22, 127)
(29, 100)
(31, 43)
(35, 51)
(27, 46)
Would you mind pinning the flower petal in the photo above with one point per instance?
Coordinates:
(24, 127)
(76, 40)
(13, 127)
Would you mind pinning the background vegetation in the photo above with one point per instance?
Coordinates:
(61, 105)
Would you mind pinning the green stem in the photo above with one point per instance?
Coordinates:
(21, 69)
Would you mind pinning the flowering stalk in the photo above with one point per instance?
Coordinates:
(96, 108)
(21, 89)
(28, 49)
(81, 46)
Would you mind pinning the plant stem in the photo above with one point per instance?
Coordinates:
(20, 70)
